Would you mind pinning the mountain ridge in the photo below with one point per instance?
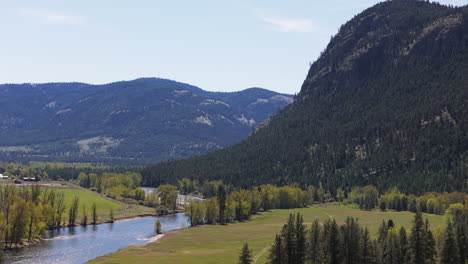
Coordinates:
(385, 104)
(139, 120)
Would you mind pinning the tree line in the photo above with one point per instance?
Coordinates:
(228, 205)
(368, 198)
(25, 213)
(239, 205)
(118, 186)
(349, 243)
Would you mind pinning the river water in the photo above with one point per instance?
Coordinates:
(80, 244)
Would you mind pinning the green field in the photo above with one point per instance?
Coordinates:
(103, 205)
(221, 244)
(87, 198)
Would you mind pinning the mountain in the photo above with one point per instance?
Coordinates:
(126, 122)
(386, 104)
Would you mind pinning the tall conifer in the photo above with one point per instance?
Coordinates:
(449, 252)
(245, 256)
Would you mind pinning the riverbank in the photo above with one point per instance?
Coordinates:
(221, 244)
(81, 244)
(87, 198)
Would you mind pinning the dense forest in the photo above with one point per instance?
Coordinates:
(385, 104)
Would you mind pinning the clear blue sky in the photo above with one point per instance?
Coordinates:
(216, 45)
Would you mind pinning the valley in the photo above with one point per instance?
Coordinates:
(216, 244)
(366, 163)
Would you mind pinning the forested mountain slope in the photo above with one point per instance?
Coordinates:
(386, 104)
(126, 122)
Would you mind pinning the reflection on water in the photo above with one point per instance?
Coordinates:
(80, 244)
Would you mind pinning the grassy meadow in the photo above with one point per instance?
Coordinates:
(87, 198)
(103, 205)
(221, 244)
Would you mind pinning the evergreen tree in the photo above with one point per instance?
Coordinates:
(460, 223)
(287, 234)
(403, 258)
(276, 252)
(416, 241)
(429, 244)
(391, 250)
(313, 245)
(421, 242)
(331, 243)
(245, 257)
(350, 233)
(383, 230)
(368, 255)
(300, 238)
(449, 252)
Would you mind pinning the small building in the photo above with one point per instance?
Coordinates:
(4, 177)
(29, 179)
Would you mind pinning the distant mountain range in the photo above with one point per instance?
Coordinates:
(385, 104)
(128, 122)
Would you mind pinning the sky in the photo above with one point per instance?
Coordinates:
(215, 45)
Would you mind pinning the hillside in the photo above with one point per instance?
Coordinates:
(385, 104)
(131, 122)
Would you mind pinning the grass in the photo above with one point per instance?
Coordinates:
(221, 244)
(103, 205)
(87, 198)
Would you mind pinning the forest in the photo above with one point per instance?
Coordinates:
(384, 105)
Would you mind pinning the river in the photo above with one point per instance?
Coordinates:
(80, 244)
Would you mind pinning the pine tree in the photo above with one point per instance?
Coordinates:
(287, 234)
(449, 252)
(300, 239)
(350, 232)
(429, 244)
(313, 246)
(383, 230)
(416, 241)
(460, 223)
(331, 243)
(403, 259)
(245, 257)
(367, 248)
(276, 252)
(391, 253)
